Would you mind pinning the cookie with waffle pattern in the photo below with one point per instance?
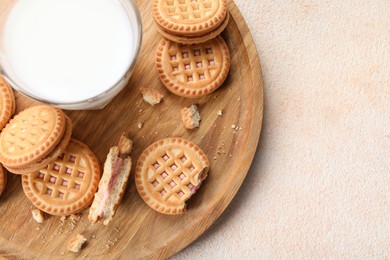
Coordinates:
(31, 136)
(67, 185)
(189, 17)
(7, 102)
(195, 39)
(169, 172)
(51, 157)
(192, 71)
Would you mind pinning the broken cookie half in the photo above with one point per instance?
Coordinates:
(113, 182)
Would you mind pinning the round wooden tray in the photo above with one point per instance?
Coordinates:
(138, 231)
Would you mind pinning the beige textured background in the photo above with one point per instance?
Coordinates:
(319, 186)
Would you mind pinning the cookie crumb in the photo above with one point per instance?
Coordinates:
(125, 145)
(76, 243)
(190, 117)
(38, 216)
(140, 125)
(62, 219)
(220, 112)
(152, 96)
(74, 218)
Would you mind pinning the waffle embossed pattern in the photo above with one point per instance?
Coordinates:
(189, 17)
(37, 130)
(169, 172)
(193, 70)
(67, 185)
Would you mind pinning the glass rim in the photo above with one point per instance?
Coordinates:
(114, 86)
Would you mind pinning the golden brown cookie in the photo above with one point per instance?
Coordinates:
(189, 17)
(3, 179)
(192, 70)
(51, 157)
(169, 172)
(67, 185)
(195, 39)
(31, 135)
(7, 102)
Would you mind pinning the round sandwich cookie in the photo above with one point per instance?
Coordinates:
(3, 179)
(32, 135)
(189, 17)
(7, 102)
(193, 71)
(58, 150)
(196, 39)
(169, 172)
(67, 185)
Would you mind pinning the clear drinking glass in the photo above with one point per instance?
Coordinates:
(95, 102)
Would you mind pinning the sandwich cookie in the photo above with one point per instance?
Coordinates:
(34, 138)
(192, 71)
(195, 39)
(191, 19)
(67, 185)
(58, 150)
(113, 183)
(7, 102)
(169, 172)
(3, 179)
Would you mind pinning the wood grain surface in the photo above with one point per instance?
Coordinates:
(137, 231)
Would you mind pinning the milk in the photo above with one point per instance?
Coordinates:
(67, 51)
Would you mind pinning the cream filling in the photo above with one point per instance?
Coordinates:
(107, 192)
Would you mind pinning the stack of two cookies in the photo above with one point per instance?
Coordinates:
(192, 60)
(60, 174)
(190, 21)
(34, 138)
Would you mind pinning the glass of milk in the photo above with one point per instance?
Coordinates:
(74, 54)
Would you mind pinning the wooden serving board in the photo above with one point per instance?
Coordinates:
(137, 231)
